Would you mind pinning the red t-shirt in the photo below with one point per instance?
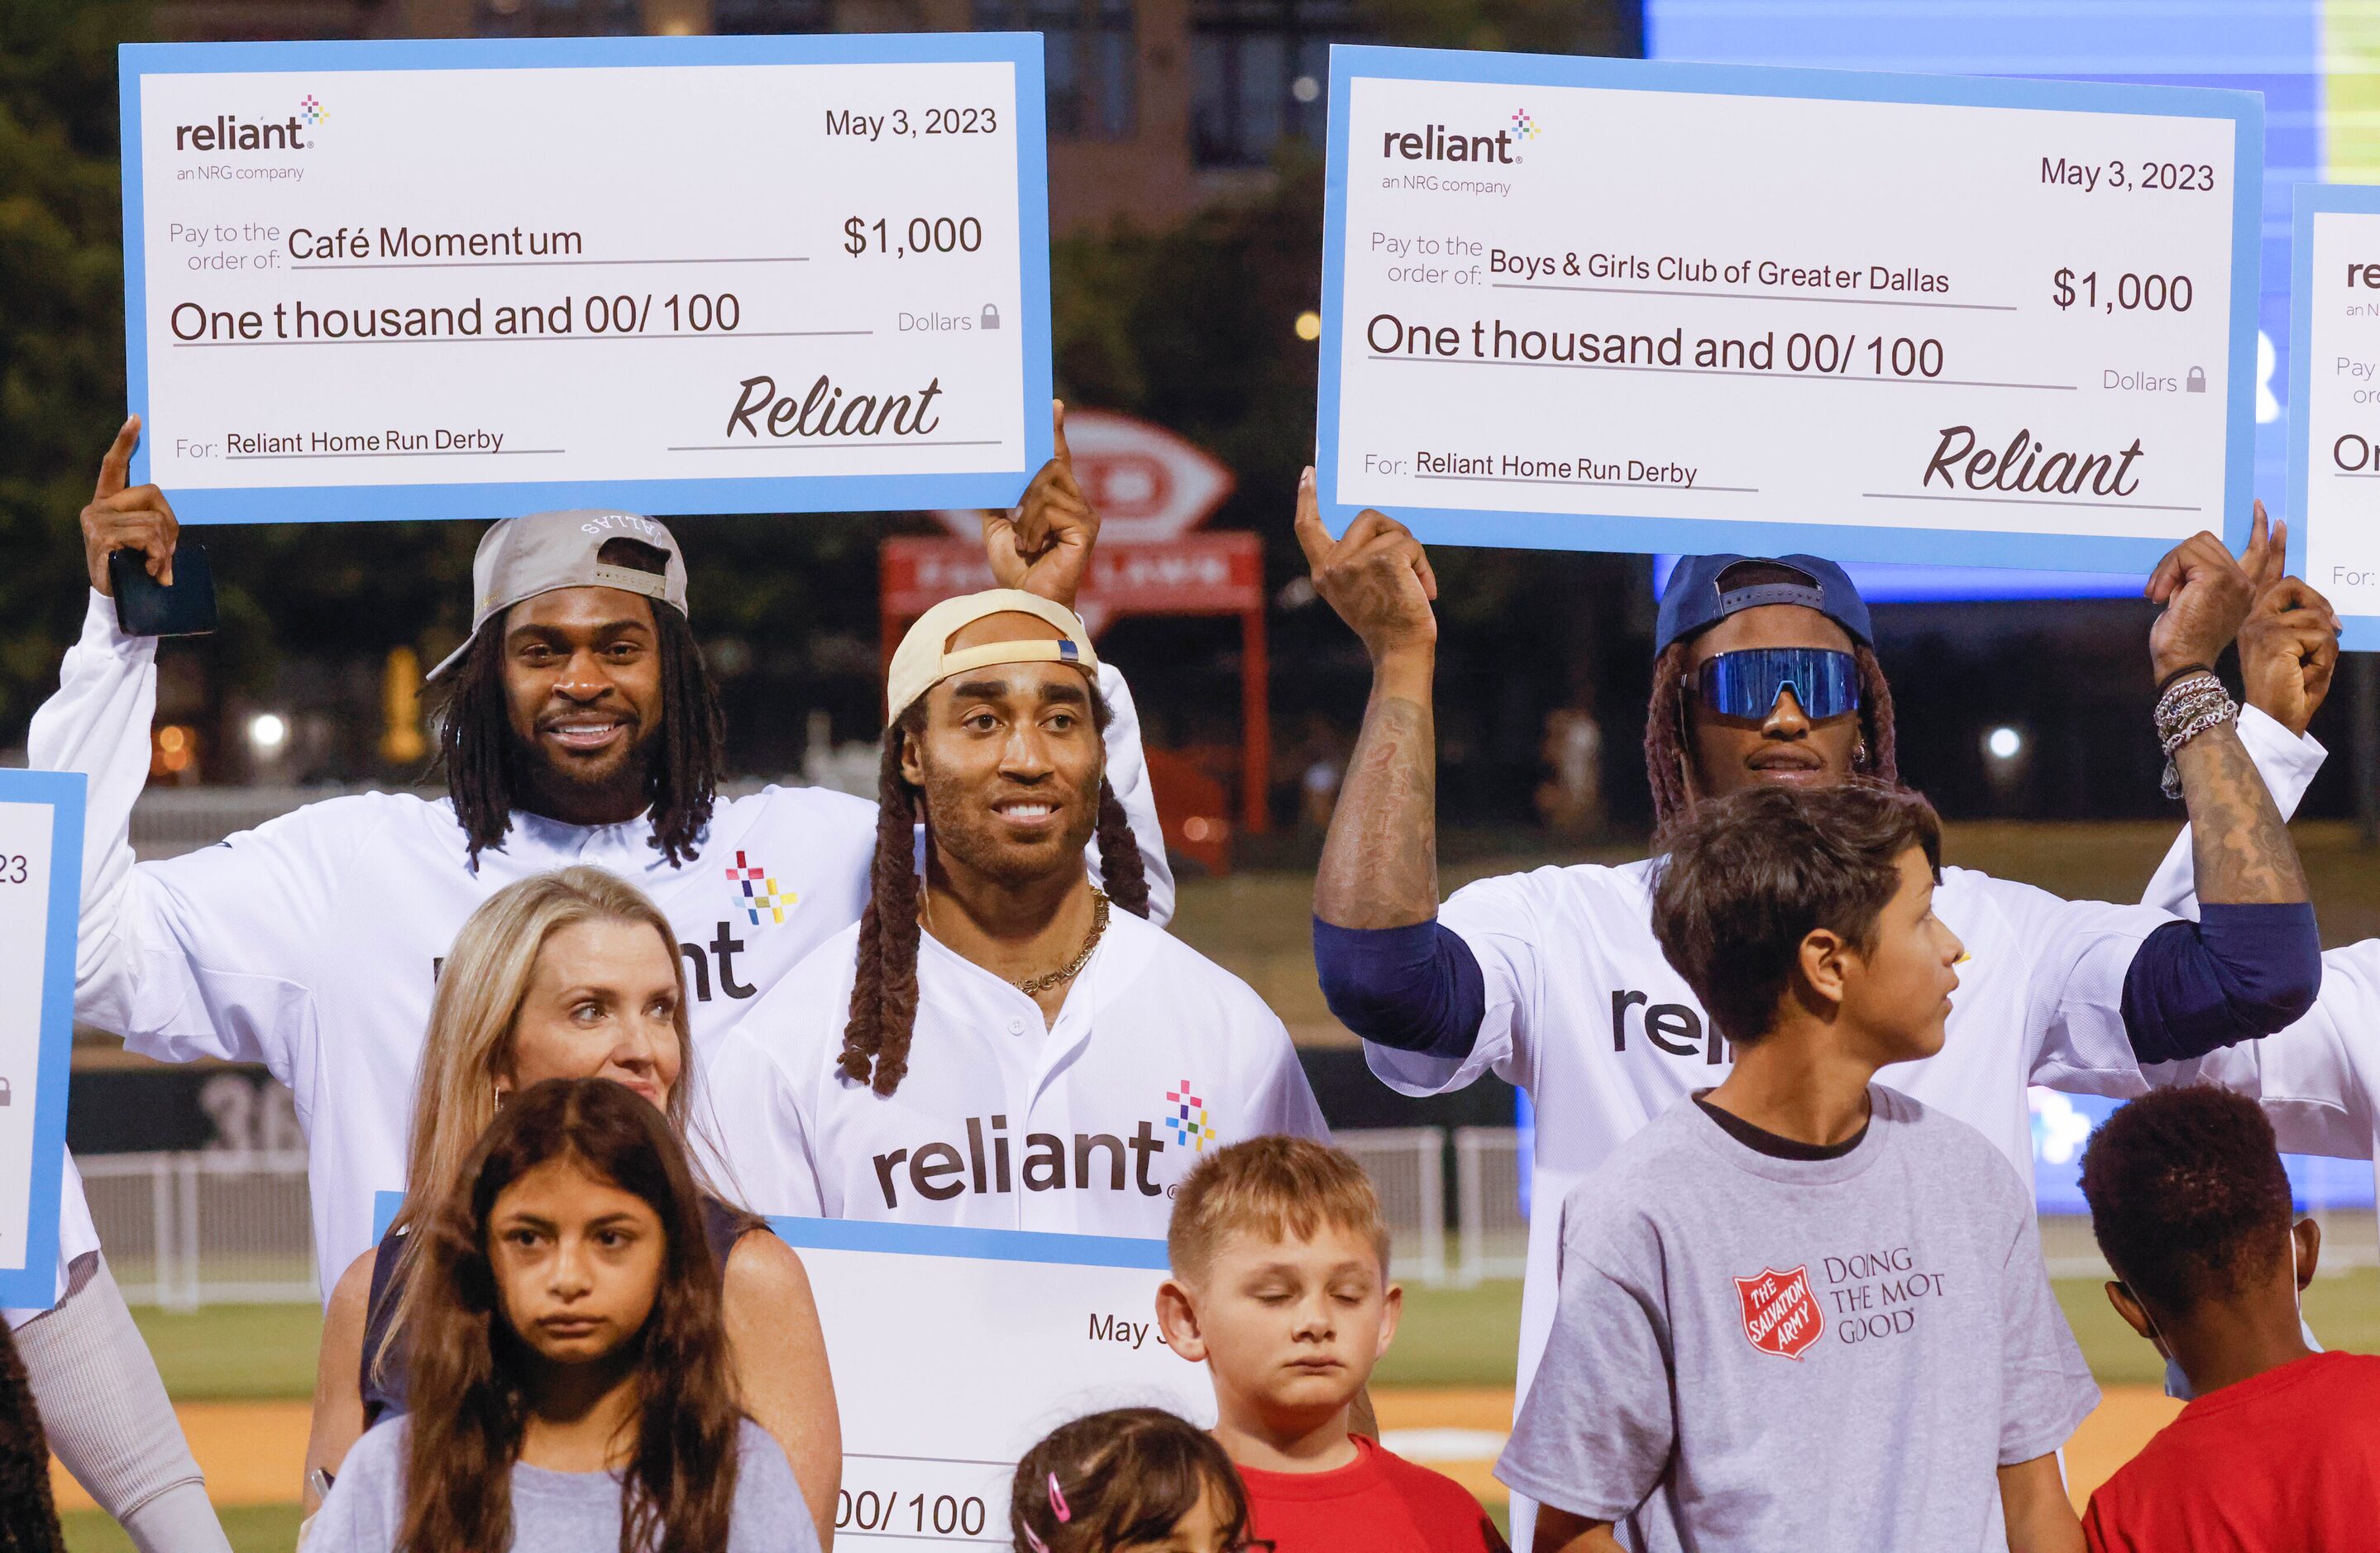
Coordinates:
(1379, 1502)
(2289, 1460)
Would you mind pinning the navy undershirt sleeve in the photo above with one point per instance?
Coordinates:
(2238, 972)
(1416, 988)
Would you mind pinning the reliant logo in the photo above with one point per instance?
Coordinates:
(1676, 1029)
(1436, 144)
(2029, 465)
(230, 132)
(938, 1171)
(825, 412)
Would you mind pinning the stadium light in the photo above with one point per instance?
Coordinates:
(2004, 743)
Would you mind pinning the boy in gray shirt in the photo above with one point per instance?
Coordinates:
(1801, 1310)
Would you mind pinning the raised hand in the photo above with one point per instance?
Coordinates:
(2206, 593)
(2289, 644)
(1379, 860)
(1376, 576)
(1043, 544)
(118, 517)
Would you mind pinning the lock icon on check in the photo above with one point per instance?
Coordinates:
(2196, 381)
(6, 1097)
(991, 317)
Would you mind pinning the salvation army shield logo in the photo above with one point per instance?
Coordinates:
(1780, 1313)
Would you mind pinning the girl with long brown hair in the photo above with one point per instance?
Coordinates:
(569, 1376)
(572, 973)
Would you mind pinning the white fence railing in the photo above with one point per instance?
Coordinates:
(216, 1228)
(1490, 1173)
(1408, 1170)
(230, 1226)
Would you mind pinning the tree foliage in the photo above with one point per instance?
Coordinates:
(61, 317)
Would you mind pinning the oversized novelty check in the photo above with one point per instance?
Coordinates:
(40, 883)
(955, 1349)
(1611, 304)
(382, 280)
(2335, 402)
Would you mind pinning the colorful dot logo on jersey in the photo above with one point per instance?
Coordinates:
(1523, 127)
(759, 894)
(311, 111)
(1187, 1119)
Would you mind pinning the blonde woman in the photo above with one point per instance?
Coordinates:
(569, 975)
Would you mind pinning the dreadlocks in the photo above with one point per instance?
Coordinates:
(481, 756)
(884, 986)
(1667, 757)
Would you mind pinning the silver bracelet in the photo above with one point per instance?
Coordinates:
(2190, 705)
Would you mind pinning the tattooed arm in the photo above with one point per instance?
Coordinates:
(2239, 841)
(2251, 963)
(1388, 968)
(1379, 862)
(2240, 844)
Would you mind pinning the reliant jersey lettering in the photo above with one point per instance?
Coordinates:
(1006, 1120)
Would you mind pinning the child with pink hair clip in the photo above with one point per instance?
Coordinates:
(1133, 1480)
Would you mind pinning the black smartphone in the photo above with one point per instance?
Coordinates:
(145, 607)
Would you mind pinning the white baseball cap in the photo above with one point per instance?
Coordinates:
(924, 661)
(522, 557)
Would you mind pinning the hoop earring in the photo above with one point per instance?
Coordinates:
(1859, 754)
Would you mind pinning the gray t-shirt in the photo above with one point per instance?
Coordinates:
(1752, 1352)
(558, 1511)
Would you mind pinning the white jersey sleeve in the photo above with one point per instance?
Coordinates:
(1504, 922)
(2074, 956)
(746, 1129)
(2316, 1079)
(2287, 763)
(1128, 774)
(98, 724)
(211, 954)
(1281, 1101)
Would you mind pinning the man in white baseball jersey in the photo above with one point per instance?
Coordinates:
(579, 726)
(996, 1043)
(2319, 1079)
(1767, 673)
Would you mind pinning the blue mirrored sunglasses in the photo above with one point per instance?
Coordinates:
(1746, 684)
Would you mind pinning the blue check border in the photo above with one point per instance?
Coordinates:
(2358, 633)
(489, 499)
(31, 1282)
(1925, 546)
(982, 1245)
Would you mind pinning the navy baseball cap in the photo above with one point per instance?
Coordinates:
(1701, 594)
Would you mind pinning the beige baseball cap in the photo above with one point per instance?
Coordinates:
(924, 661)
(522, 557)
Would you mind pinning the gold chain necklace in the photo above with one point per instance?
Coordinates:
(1033, 986)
